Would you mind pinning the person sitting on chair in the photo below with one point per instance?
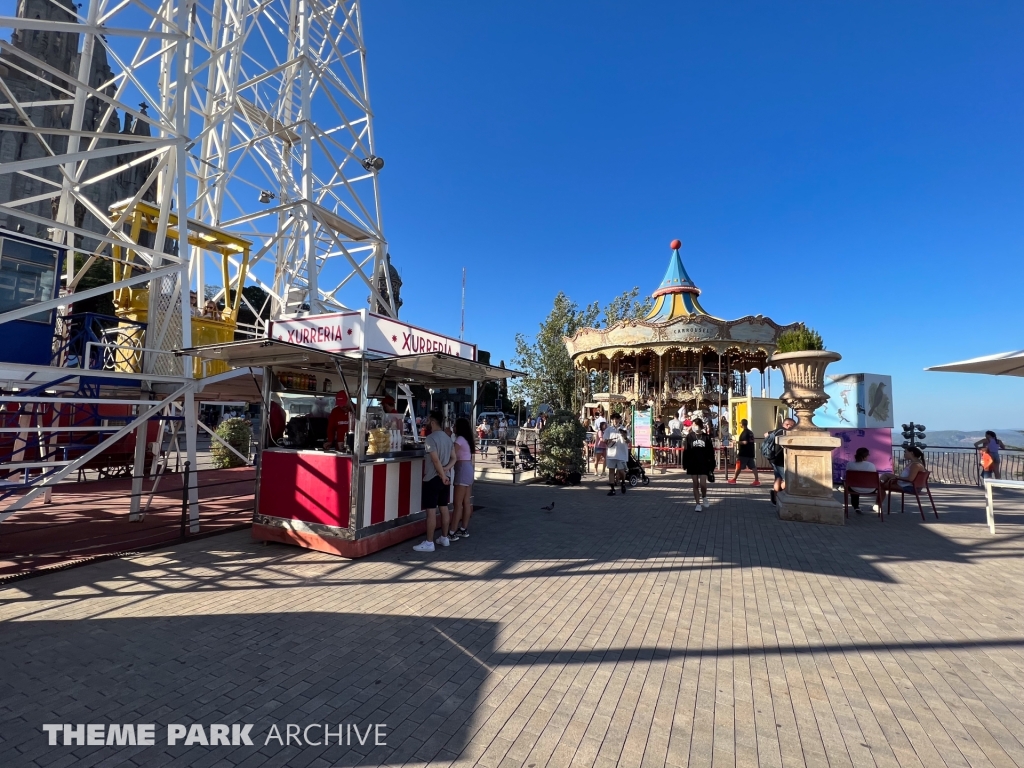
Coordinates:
(860, 464)
(914, 458)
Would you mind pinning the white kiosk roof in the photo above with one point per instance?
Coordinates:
(436, 369)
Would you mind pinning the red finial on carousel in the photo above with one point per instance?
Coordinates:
(675, 245)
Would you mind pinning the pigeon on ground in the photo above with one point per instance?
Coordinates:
(549, 507)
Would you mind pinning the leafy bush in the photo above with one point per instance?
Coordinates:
(561, 447)
(800, 339)
(237, 434)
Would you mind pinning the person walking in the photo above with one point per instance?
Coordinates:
(699, 461)
(617, 452)
(745, 453)
(777, 456)
(465, 453)
(434, 493)
(994, 445)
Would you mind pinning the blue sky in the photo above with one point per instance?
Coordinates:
(857, 166)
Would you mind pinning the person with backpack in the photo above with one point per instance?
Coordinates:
(699, 461)
(772, 451)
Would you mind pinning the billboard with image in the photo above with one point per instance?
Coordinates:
(856, 401)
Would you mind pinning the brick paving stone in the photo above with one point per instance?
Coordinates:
(624, 631)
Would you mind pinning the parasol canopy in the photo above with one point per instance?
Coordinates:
(1003, 364)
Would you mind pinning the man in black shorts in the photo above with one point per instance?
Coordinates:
(436, 479)
(745, 453)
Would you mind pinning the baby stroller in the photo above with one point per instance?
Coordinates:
(525, 460)
(635, 472)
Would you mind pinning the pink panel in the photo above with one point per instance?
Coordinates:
(877, 441)
(310, 487)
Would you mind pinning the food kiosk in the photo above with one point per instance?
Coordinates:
(314, 488)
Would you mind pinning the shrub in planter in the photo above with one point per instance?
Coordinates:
(237, 434)
(561, 443)
(799, 339)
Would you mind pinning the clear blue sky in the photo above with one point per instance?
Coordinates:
(871, 152)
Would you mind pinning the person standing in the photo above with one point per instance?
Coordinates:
(778, 457)
(617, 451)
(600, 422)
(699, 461)
(675, 432)
(465, 453)
(434, 494)
(745, 453)
(994, 444)
(600, 451)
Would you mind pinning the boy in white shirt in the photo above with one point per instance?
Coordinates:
(617, 453)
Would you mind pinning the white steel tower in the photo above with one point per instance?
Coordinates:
(212, 123)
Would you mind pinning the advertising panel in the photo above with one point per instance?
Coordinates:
(856, 401)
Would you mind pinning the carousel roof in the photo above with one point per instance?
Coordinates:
(676, 297)
(677, 322)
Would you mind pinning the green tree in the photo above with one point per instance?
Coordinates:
(545, 360)
(562, 446)
(800, 339)
(236, 433)
(626, 306)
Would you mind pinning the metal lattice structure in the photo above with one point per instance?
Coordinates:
(250, 118)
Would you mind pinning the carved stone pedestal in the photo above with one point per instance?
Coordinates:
(808, 496)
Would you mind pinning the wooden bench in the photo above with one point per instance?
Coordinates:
(990, 483)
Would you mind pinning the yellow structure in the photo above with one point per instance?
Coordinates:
(132, 304)
(763, 414)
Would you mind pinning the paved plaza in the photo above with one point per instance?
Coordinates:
(607, 631)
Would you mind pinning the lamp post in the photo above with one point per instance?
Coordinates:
(913, 434)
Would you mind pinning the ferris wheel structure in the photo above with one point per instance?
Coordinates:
(182, 146)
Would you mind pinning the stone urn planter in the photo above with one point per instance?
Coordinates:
(808, 495)
(804, 375)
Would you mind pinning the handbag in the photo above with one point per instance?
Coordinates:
(711, 476)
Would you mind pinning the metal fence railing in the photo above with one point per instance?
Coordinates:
(962, 466)
(509, 455)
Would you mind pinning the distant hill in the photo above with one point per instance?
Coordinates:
(956, 438)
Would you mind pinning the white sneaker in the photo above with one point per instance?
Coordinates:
(699, 508)
(443, 541)
(424, 546)
(876, 509)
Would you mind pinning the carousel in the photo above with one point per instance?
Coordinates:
(679, 358)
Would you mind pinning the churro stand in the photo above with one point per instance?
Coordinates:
(348, 483)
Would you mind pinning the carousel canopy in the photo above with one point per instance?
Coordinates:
(676, 322)
(677, 295)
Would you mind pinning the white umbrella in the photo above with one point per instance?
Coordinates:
(1003, 364)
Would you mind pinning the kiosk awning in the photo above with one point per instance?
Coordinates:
(435, 369)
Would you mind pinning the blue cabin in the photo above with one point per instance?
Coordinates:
(30, 271)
